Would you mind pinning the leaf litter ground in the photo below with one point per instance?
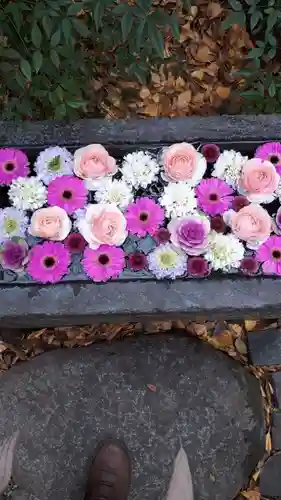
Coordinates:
(223, 335)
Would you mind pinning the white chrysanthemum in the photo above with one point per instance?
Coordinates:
(225, 251)
(178, 199)
(53, 162)
(27, 193)
(13, 222)
(166, 261)
(77, 216)
(114, 191)
(228, 166)
(139, 169)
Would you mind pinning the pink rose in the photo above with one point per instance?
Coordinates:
(103, 224)
(93, 163)
(258, 181)
(182, 162)
(252, 224)
(51, 223)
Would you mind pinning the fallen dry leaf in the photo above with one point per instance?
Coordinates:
(180, 487)
(240, 346)
(251, 494)
(151, 387)
(184, 99)
(223, 92)
(250, 325)
(214, 9)
(204, 54)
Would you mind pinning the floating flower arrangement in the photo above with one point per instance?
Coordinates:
(182, 213)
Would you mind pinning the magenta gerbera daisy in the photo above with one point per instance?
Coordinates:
(104, 263)
(144, 216)
(48, 262)
(270, 151)
(269, 253)
(13, 164)
(67, 192)
(214, 196)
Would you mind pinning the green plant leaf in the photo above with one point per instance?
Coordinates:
(47, 25)
(255, 18)
(81, 28)
(235, 5)
(234, 18)
(156, 39)
(271, 21)
(66, 29)
(139, 34)
(55, 40)
(255, 53)
(36, 36)
(60, 111)
(11, 54)
(174, 24)
(76, 104)
(272, 90)
(126, 25)
(25, 69)
(37, 61)
(98, 13)
(74, 8)
(55, 58)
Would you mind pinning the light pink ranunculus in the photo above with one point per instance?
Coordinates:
(258, 181)
(51, 223)
(103, 224)
(93, 163)
(182, 162)
(252, 224)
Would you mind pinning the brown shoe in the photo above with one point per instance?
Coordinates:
(110, 473)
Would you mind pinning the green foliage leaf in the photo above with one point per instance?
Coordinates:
(25, 69)
(255, 18)
(37, 61)
(36, 36)
(55, 58)
(55, 39)
(256, 52)
(47, 25)
(126, 25)
(235, 5)
(81, 28)
(234, 18)
(156, 39)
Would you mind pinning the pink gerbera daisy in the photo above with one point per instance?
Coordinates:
(104, 263)
(214, 196)
(269, 253)
(67, 192)
(13, 164)
(144, 216)
(48, 262)
(271, 151)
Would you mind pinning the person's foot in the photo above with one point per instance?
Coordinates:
(110, 473)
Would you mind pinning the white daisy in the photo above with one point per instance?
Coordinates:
(27, 193)
(225, 251)
(13, 222)
(228, 166)
(114, 191)
(139, 169)
(178, 199)
(53, 162)
(166, 261)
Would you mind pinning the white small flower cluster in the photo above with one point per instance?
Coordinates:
(139, 169)
(27, 193)
(228, 167)
(53, 162)
(114, 191)
(225, 251)
(178, 199)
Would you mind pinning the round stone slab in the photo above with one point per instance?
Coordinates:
(156, 393)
